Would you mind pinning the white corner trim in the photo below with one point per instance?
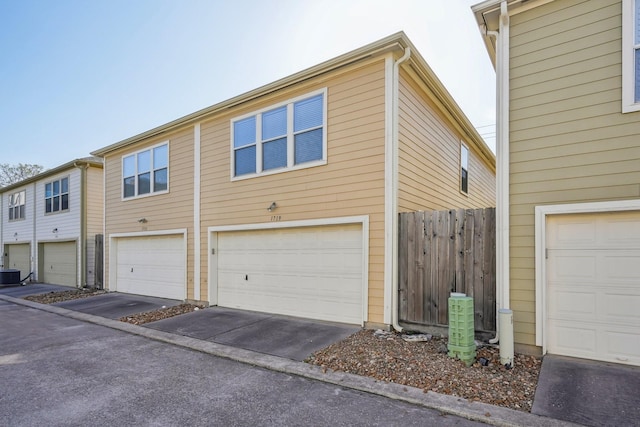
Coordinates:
(196, 212)
(212, 233)
(541, 214)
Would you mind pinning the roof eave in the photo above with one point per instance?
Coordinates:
(87, 161)
(391, 43)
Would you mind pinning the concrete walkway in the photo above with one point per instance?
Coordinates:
(477, 411)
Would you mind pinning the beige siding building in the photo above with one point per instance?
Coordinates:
(285, 199)
(569, 164)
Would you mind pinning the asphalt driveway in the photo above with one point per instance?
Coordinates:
(572, 390)
(282, 336)
(61, 371)
(588, 392)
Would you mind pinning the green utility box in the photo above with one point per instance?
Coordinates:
(461, 328)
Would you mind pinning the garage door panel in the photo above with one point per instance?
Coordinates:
(59, 263)
(19, 258)
(593, 286)
(306, 272)
(151, 265)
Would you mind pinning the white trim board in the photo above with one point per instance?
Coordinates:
(541, 213)
(212, 234)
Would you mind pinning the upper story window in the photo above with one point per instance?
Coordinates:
(464, 169)
(630, 56)
(146, 172)
(283, 137)
(56, 196)
(16, 205)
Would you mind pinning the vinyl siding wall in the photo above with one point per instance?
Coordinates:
(429, 158)
(18, 231)
(66, 222)
(351, 183)
(172, 210)
(569, 141)
(94, 217)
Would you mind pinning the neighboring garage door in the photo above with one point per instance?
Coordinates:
(312, 272)
(593, 286)
(59, 263)
(153, 266)
(19, 258)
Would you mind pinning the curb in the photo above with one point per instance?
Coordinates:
(475, 411)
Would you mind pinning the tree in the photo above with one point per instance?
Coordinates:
(10, 174)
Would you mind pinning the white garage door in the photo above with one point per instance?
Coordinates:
(153, 266)
(306, 272)
(19, 258)
(593, 286)
(59, 263)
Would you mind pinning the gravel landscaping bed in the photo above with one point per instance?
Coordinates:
(162, 313)
(137, 319)
(60, 296)
(386, 356)
(393, 357)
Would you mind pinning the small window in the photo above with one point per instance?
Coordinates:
(16, 205)
(464, 169)
(631, 56)
(280, 138)
(56, 196)
(146, 172)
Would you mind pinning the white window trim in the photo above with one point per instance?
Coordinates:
(68, 193)
(290, 158)
(12, 207)
(628, 60)
(135, 154)
(464, 147)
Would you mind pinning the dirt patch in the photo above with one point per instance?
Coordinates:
(426, 365)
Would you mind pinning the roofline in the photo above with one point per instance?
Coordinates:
(397, 42)
(87, 161)
(492, 7)
(449, 105)
(387, 44)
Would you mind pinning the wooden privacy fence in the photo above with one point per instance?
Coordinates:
(441, 252)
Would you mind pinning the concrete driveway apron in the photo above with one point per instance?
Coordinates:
(588, 392)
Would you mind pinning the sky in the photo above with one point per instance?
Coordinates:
(78, 75)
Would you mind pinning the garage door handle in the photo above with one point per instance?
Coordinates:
(132, 269)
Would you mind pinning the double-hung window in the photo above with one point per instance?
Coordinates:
(282, 137)
(146, 172)
(630, 55)
(16, 205)
(464, 169)
(56, 195)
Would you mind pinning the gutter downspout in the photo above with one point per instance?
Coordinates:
(83, 224)
(394, 191)
(502, 164)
